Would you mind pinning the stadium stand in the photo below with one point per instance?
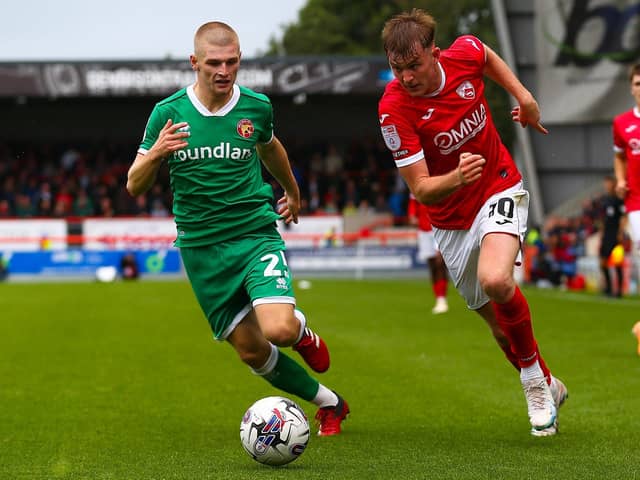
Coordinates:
(61, 180)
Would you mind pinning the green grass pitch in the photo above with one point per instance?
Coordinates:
(124, 381)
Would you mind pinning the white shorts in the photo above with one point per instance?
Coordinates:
(504, 212)
(634, 227)
(427, 247)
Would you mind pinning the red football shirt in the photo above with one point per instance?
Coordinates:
(626, 139)
(440, 126)
(417, 210)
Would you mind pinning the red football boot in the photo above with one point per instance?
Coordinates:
(330, 418)
(314, 351)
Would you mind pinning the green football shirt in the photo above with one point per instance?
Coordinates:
(217, 184)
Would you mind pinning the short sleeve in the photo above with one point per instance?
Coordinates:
(398, 133)
(470, 50)
(266, 134)
(618, 141)
(156, 121)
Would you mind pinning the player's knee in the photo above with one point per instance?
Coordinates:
(282, 330)
(498, 285)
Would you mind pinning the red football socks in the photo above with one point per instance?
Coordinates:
(440, 288)
(514, 318)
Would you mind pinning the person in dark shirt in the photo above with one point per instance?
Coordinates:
(129, 267)
(612, 235)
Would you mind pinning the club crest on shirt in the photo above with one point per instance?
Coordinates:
(466, 91)
(245, 128)
(391, 137)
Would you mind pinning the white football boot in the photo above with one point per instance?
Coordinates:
(559, 393)
(540, 406)
(441, 306)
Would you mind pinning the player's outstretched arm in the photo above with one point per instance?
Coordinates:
(527, 112)
(143, 171)
(275, 159)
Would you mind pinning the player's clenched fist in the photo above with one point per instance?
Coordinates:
(470, 167)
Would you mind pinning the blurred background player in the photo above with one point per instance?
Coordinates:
(129, 268)
(436, 122)
(626, 160)
(428, 252)
(636, 331)
(613, 226)
(214, 136)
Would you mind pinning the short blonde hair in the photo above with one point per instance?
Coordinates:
(215, 33)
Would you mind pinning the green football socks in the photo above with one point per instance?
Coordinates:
(291, 377)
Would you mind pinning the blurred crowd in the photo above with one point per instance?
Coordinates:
(356, 177)
(50, 180)
(88, 180)
(554, 247)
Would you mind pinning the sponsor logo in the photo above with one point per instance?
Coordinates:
(391, 137)
(245, 128)
(468, 128)
(276, 423)
(427, 115)
(270, 432)
(281, 283)
(400, 153)
(222, 150)
(473, 43)
(466, 91)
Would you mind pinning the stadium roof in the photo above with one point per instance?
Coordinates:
(270, 75)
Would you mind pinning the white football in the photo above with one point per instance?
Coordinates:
(274, 431)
